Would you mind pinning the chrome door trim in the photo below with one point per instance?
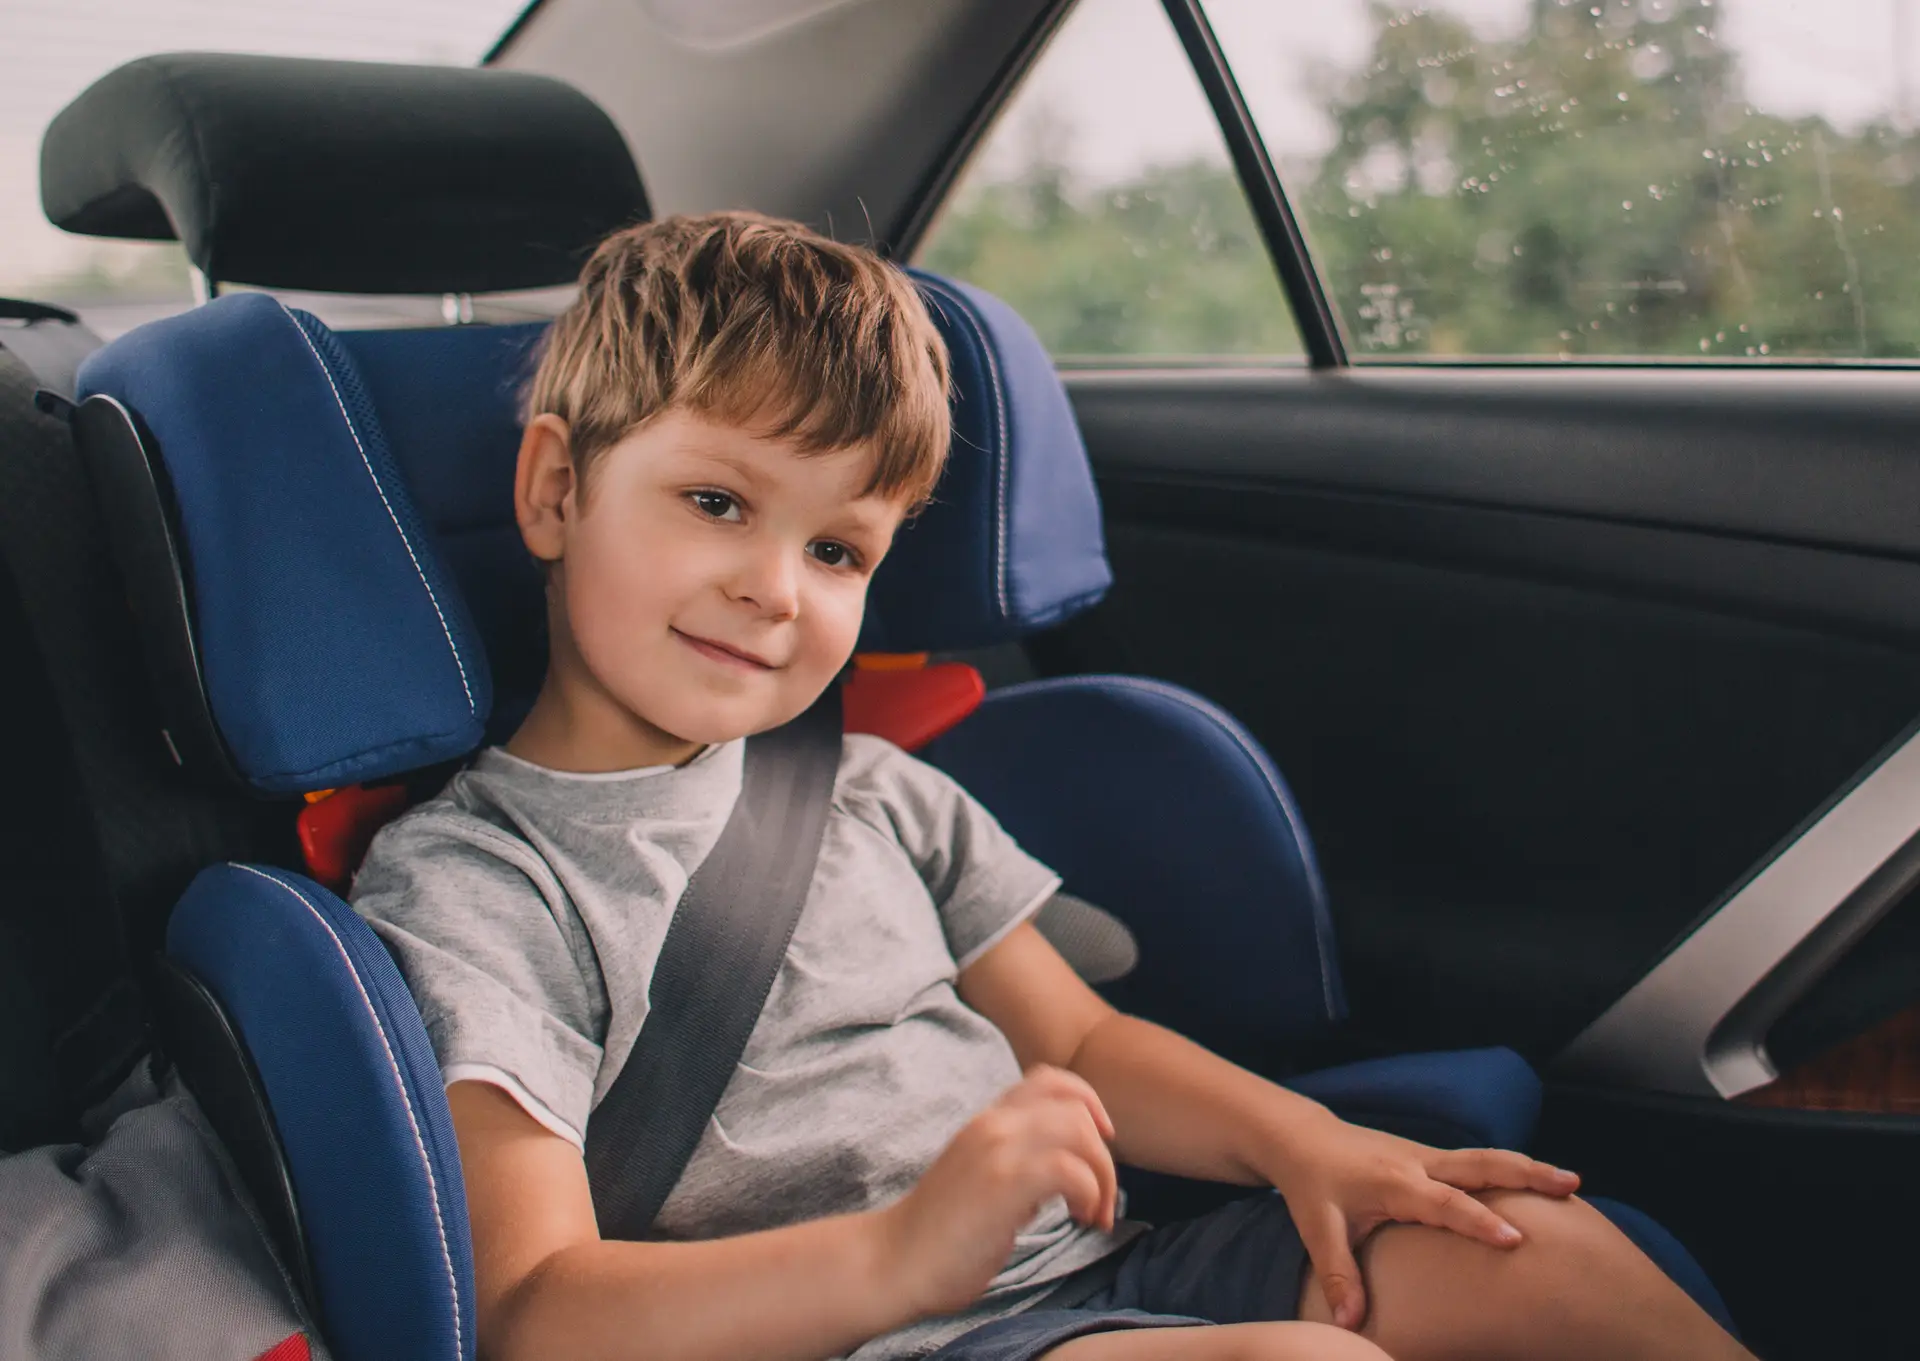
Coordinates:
(1696, 1023)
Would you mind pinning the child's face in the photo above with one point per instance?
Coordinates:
(712, 581)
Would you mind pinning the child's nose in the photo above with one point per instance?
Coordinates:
(769, 579)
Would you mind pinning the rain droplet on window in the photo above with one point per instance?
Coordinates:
(1705, 344)
(1627, 204)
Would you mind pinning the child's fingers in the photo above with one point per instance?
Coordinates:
(1065, 1124)
(1323, 1232)
(1044, 1081)
(1070, 1177)
(1447, 1207)
(1483, 1169)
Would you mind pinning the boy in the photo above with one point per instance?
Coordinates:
(724, 432)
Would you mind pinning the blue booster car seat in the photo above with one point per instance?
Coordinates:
(316, 533)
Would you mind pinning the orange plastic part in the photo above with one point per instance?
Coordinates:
(910, 707)
(335, 831)
(889, 661)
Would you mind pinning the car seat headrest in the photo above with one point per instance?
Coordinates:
(303, 630)
(1011, 542)
(338, 176)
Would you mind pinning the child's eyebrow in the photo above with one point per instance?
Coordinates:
(744, 467)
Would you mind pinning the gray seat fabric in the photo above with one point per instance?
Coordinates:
(1091, 939)
(138, 1244)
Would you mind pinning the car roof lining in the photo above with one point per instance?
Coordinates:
(853, 118)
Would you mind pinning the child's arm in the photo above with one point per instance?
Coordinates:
(1179, 1108)
(548, 1286)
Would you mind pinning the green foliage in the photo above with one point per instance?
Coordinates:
(1594, 186)
(1170, 263)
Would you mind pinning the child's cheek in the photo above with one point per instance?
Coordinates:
(843, 616)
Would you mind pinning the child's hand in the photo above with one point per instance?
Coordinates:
(953, 1232)
(1342, 1181)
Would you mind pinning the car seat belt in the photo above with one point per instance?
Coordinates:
(722, 950)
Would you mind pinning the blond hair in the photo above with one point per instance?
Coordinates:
(755, 322)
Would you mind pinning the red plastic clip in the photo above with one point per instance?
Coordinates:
(338, 825)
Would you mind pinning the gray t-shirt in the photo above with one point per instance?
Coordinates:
(527, 906)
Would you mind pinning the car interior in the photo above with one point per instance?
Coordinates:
(1505, 753)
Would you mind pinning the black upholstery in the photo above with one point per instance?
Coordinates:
(71, 1021)
(343, 176)
(201, 1040)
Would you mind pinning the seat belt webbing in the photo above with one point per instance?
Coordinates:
(722, 950)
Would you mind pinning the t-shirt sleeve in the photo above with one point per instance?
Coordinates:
(496, 959)
(982, 882)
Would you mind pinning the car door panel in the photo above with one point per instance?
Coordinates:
(1551, 659)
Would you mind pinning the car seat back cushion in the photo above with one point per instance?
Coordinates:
(1160, 808)
(355, 177)
(448, 400)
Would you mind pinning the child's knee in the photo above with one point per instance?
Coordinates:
(1565, 1227)
(1574, 1261)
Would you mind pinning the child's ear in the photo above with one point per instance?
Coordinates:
(543, 485)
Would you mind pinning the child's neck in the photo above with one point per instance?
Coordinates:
(580, 728)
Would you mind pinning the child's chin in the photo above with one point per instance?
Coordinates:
(711, 728)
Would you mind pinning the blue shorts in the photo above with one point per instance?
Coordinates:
(1242, 1263)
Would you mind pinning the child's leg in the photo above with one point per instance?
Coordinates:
(1576, 1289)
(1229, 1342)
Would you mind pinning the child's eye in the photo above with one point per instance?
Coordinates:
(717, 505)
(834, 554)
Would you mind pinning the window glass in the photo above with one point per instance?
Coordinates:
(1103, 208)
(56, 48)
(1708, 179)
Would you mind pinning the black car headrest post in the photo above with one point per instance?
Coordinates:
(335, 176)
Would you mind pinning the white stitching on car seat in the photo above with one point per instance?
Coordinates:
(393, 1065)
(1003, 457)
(1226, 723)
(419, 571)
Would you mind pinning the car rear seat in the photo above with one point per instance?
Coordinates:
(331, 590)
(71, 1022)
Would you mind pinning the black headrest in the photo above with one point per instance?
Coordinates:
(348, 177)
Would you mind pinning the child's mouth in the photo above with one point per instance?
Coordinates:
(720, 652)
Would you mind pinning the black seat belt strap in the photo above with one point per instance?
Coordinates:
(722, 950)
